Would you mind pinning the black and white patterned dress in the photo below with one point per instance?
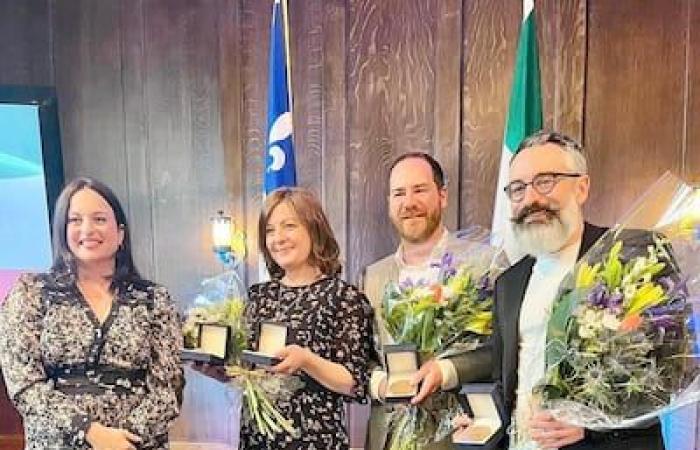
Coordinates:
(332, 319)
(64, 370)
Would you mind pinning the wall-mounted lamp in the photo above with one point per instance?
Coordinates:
(222, 231)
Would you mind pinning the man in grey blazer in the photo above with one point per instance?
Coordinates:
(417, 199)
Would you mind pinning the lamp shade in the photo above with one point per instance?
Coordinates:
(221, 229)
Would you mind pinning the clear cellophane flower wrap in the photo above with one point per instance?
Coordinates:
(441, 318)
(621, 345)
(222, 300)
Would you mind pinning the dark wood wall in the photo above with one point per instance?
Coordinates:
(165, 100)
(138, 86)
(642, 83)
(25, 42)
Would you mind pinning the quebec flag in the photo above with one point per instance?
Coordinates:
(280, 169)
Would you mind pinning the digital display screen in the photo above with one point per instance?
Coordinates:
(25, 239)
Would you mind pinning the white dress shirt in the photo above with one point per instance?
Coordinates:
(547, 273)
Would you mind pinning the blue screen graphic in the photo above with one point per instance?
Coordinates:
(25, 243)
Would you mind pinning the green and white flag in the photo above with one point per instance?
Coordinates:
(524, 112)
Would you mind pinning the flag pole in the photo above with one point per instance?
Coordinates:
(287, 52)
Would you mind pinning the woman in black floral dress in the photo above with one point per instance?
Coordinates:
(328, 322)
(90, 350)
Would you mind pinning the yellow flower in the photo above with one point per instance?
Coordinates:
(586, 276)
(648, 295)
(480, 323)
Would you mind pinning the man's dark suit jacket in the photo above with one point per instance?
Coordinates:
(509, 292)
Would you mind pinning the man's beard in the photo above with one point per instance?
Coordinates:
(432, 219)
(538, 239)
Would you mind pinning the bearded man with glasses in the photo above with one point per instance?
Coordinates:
(548, 186)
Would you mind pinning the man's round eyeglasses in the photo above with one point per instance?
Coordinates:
(542, 183)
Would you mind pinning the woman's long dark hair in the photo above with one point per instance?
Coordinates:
(63, 259)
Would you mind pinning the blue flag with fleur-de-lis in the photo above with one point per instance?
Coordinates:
(280, 168)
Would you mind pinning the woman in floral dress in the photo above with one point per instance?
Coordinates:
(90, 350)
(328, 322)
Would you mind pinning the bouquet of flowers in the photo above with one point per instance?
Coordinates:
(444, 316)
(227, 312)
(454, 309)
(621, 339)
(222, 302)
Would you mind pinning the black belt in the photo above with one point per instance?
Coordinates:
(95, 380)
(623, 434)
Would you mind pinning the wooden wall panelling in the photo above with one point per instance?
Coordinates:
(691, 162)
(306, 36)
(334, 186)
(184, 138)
(230, 87)
(490, 40)
(209, 416)
(144, 88)
(562, 45)
(136, 145)
(570, 83)
(87, 55)
(255, 29)
(448, 102)
(25, 42)
(14, 442)
(391, 79)
(634, 109)
(11, 429)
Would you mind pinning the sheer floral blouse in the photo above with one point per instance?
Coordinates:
(332, 319)
(64, 369)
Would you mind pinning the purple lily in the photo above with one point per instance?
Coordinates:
(674, 289)
(666, 322)
(601, 298)
(406, 284)
(484, 288)
(598, 296)
(615, 302)
(446, 266)
(666, 317)
(664, 310)
(447, 260)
